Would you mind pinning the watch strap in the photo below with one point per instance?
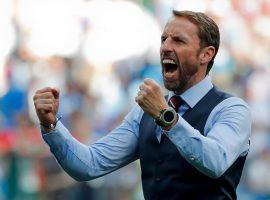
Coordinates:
(158, 119)
(52, 125)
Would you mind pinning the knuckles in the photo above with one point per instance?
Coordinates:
(44, 101)
(149, 86)
(38, 107)
(147, 90)
(140, 103)
(45, 95)
(155, 87)
(140, 99)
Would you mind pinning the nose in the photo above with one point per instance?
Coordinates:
(166, 45)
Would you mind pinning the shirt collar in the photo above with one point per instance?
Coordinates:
(194, 94)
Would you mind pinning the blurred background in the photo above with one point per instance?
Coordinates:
(97, 52)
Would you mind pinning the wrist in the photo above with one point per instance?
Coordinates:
(167, 128)
(45, 129)
(50, 127)
(167, 118)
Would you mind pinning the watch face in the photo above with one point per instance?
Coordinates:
(169, 116)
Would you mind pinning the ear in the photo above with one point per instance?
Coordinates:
(206, 55)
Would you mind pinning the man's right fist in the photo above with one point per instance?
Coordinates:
(46, 103)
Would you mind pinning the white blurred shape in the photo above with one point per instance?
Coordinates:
(53, 25)
(252, 6)
(262, 26)
(118, 30)
(6, 9)
(220, 7)
(7, 39)
(3, 81)
(169, 3)
(193, 5)
(235, 32)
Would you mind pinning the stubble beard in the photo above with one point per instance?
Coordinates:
(186, 74)
(185, 77)
(176, 86)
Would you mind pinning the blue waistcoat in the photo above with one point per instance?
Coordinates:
(167, 175)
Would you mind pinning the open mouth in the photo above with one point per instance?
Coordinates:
(169, 65)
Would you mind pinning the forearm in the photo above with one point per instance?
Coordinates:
(72, 155)
(202, 153)
(85, 162)
(214, 152)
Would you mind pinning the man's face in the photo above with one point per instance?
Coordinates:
(179, 54)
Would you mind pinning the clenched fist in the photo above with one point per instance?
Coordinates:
(46, 103)
(150, 98)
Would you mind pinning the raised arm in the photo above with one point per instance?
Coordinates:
(80, 161)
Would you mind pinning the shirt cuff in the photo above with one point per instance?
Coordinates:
(56, 137)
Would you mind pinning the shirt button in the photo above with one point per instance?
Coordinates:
(157, 179)
(192, 158)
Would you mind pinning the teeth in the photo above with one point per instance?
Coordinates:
(168, 61)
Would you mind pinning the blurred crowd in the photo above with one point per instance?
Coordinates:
(97, 52)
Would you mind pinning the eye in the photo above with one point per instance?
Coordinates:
(163, 38)
(178, 40)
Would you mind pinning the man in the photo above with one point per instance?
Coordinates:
(191, 144)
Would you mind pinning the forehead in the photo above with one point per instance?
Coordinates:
(180, 25)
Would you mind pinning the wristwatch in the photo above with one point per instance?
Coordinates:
(167, 117)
